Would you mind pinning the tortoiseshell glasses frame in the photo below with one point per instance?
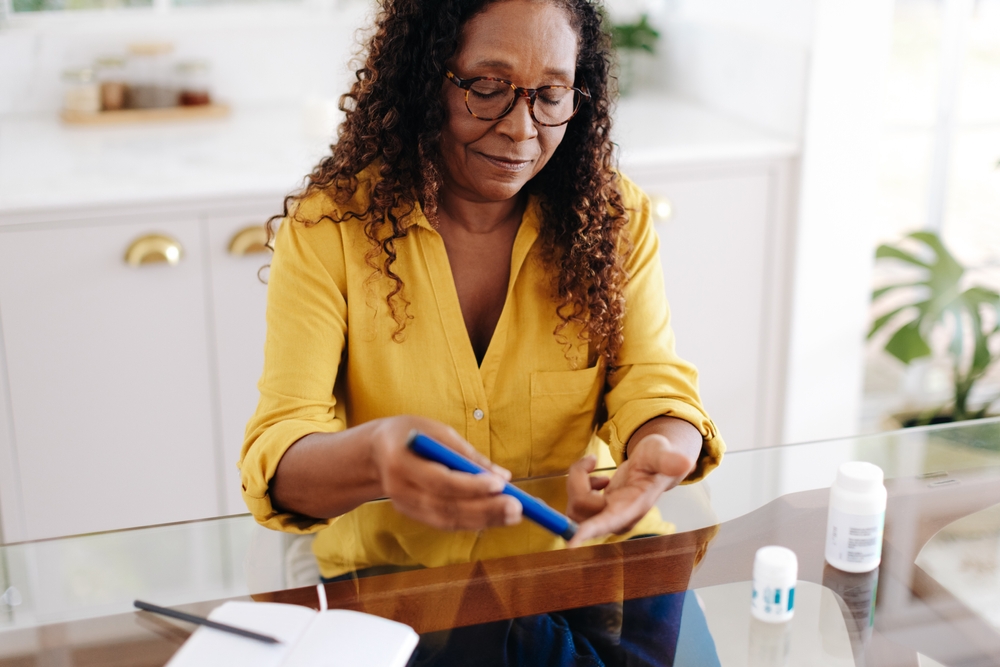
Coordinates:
(495, 98)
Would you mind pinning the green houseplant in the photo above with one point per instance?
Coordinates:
(628, 40)
(639, 35)
(936, 307)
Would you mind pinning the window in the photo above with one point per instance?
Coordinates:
(939, 168)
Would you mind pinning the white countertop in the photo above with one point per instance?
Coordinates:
(662, 130)
(47, 166)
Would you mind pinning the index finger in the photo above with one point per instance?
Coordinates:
(578, 480)
(438, 480)
(613, 519)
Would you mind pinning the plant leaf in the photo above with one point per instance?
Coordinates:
(907, 343)
(640, 35)
(981, 295)
(886, 251)
(958, 335)
(945, 258)
(943, 279)
(973, 298)
(884, 319)
(888, 288)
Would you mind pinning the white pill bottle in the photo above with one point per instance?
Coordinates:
(857, 518)
(775, 571)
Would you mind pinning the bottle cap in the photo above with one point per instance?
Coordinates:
(150, 48)
(110, 62)
(192, 66)
(81, 75)
(776, 563)
(859, 477)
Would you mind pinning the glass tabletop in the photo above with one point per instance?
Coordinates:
(677, 587)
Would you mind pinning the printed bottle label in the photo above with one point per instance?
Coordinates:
(775, 602)
(854, 539)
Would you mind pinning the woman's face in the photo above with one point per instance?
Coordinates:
(531, 44)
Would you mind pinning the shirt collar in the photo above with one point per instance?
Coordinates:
(531, 218)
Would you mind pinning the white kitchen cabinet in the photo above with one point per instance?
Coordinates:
(239, 300)
(718, 253)
(108, 376)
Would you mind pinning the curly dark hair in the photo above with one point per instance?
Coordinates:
(394, 115)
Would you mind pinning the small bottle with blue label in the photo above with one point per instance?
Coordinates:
(775, 571)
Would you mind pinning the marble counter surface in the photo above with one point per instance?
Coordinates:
(47, 167)
(665, 131)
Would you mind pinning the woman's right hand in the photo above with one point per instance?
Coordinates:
(431, 493)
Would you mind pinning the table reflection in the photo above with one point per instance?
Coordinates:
(376, 539)
(519, 594)
(644, 631)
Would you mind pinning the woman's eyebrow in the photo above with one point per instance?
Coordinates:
(508, 67)
(560, 72)
(499, 64)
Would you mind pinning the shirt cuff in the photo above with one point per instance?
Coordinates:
(631, 417)
(257, 469)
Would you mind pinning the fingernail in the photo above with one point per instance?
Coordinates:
(512, 514)
(496, 485)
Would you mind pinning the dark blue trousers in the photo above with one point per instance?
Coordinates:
(658, 631)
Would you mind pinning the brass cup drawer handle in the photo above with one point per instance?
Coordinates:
(154, 249)
(661, 208)
(249, 241)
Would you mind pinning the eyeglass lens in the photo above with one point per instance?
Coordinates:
(491, 99)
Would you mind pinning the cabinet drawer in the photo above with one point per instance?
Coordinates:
(109, 379)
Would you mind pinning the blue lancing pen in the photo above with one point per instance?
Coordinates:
(533, 508)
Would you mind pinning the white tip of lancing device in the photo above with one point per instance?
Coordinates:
(321, 594)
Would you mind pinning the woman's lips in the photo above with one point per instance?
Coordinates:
(512, 165)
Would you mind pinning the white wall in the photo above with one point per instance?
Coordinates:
(748, 76)
(835, 244)
(790, 21)
(748, 60)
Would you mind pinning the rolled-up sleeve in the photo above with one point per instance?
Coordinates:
(651, 380)
(306, 335)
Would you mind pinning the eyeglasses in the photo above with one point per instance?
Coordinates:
(488, 98)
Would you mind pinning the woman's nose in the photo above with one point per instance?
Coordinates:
(518, 123)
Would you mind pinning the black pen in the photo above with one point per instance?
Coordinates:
(190, 618)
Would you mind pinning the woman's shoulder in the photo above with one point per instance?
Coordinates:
(633, 197)
(637, 207)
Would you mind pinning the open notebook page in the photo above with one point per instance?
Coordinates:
(207, 646)
(308, 638)
(341, 638)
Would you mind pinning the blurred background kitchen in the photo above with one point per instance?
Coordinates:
(143, 144)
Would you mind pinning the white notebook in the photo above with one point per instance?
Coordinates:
(309, 638)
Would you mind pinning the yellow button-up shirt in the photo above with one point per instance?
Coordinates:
(534, 405)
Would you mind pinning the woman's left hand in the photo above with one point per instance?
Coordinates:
(604, 506)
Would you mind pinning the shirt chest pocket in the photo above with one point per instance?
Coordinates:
(563, 413)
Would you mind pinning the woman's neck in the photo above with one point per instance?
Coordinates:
(477, 217)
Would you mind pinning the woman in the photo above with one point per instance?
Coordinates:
(468, 263)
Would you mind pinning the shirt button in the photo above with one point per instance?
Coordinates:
(478, 414)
